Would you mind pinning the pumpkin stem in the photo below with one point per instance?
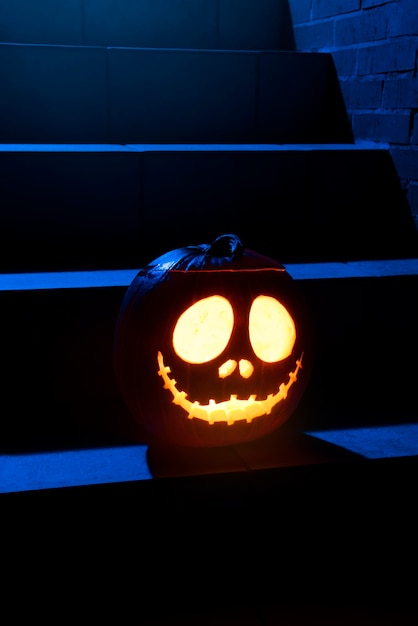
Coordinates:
(226, 246)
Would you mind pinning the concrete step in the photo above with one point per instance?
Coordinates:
(279, 523)
(59, 389)
(79, 94)
(67, 207)
(315, 492)
(223, 24)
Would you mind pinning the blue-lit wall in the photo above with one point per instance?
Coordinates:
(374, 45)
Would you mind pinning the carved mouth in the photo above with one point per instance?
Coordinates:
(228, 411)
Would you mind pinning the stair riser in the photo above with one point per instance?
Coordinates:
(81, 210)
(224, 24)
(367, 337)
(120, 95)
(59, 385)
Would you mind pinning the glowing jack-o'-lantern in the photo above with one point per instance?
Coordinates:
(212, 345)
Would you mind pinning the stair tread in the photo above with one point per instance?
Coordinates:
(28, 281)
(188, 147)
(121, 463)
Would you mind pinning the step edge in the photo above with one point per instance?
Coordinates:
(187, 147)
(108, 278)
(127, 463)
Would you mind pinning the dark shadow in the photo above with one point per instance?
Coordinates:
(284, 448)
(286, 35)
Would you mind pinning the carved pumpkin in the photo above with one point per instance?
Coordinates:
(212, 345)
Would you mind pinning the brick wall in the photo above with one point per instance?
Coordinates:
(374, 45)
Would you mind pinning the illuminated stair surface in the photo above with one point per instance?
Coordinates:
(131, 128)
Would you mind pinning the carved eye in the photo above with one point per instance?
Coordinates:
(272, 329)
(202, 331)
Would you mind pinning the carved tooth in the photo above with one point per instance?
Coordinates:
(252, 411)
(164, 370)
(283, 390)
(193, 408)
(235, 415)
(179, 397)
(170, 384)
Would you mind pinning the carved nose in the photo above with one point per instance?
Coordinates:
(246, 368)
